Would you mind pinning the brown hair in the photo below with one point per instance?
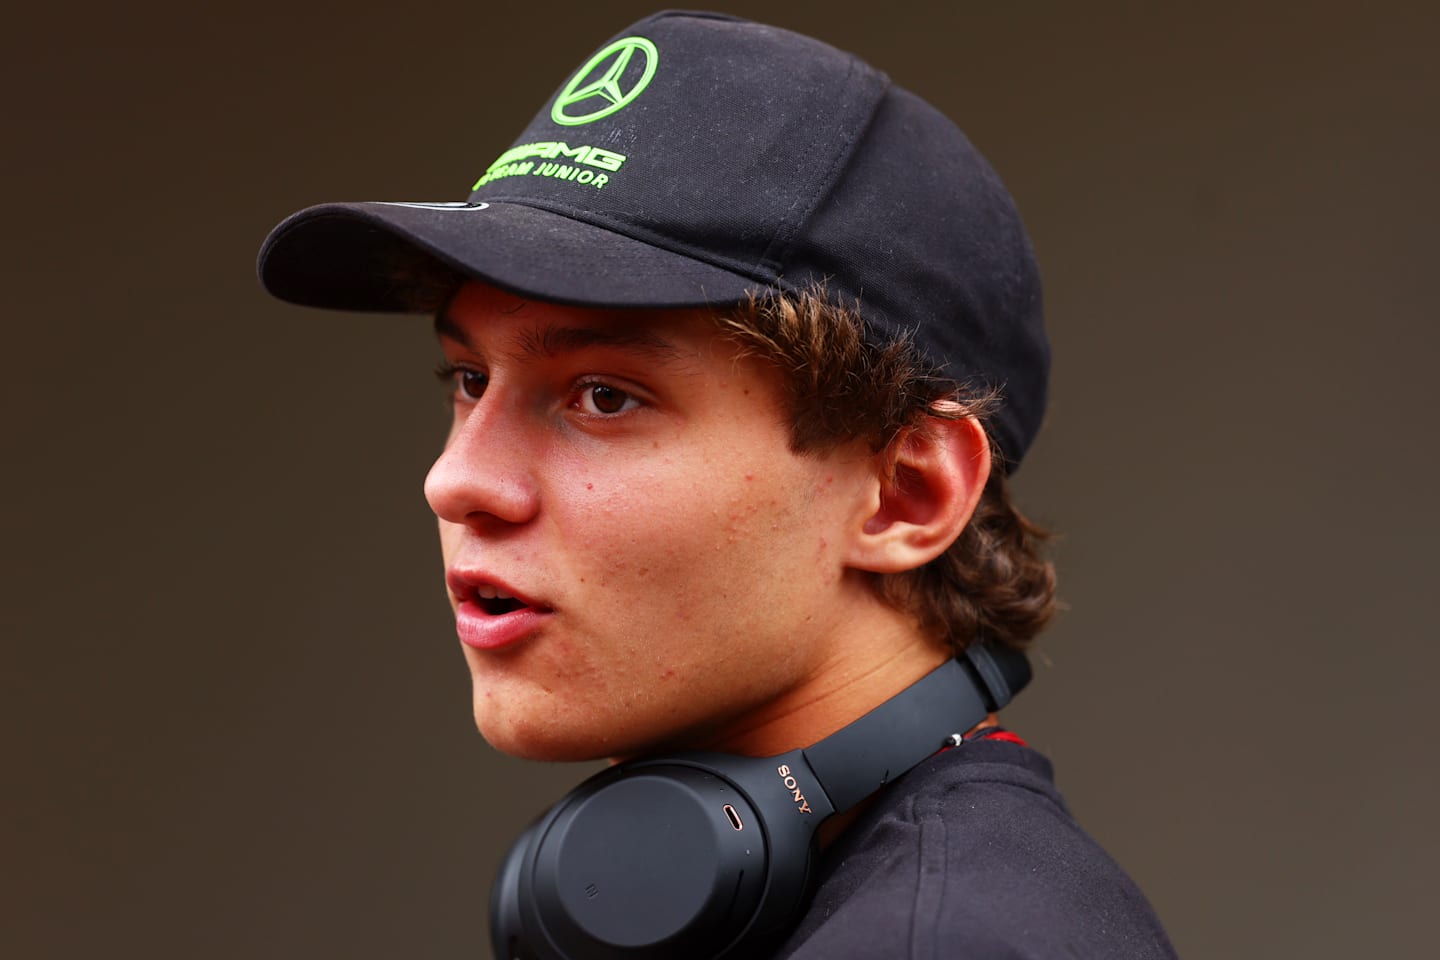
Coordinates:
(994, 580)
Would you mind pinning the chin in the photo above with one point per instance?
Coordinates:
(547, 740)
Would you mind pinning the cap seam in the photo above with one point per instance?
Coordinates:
(778, 250)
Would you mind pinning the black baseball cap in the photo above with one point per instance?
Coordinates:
(696, 159)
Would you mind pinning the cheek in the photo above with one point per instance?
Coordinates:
(789, 510)
(625, 506)
(705, 540)
(737, 546)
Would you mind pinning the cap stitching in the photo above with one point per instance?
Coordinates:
(777, 250)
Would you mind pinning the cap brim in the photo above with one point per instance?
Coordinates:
(350, 256)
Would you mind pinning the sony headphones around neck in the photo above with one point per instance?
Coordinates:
(707, 855)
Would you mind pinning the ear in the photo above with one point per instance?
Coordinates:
(927, 484)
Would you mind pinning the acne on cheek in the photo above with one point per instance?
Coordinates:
(743, 513)
(620, 571)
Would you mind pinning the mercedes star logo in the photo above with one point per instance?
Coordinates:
(598, 90)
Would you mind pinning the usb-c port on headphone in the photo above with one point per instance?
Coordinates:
(734, 817)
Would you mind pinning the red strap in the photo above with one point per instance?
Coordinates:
(1004, 735)
(993, 733)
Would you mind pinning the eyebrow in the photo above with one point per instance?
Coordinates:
(553, 340)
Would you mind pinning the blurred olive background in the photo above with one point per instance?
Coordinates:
(235, 718)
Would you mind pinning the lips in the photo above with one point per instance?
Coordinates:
(490, 614)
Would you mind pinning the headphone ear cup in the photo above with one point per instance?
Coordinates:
(506, 924)
(658, 862)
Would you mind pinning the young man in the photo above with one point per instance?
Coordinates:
(745, 341)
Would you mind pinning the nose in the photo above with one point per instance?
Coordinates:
(485, 473)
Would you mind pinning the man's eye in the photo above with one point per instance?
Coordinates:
(470, 383)
(603, 399)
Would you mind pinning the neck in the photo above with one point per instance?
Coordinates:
(879, 654)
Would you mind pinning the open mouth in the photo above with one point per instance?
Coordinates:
(496, 606)
(488, 616)
(495, 602)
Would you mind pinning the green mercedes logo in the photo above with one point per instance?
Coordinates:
(598, 90)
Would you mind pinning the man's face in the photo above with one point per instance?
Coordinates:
(625, 477)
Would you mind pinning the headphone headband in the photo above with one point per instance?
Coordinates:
(859, 759)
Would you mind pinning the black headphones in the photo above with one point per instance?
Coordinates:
(707, 855)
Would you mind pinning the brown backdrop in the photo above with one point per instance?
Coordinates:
(235, 720)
